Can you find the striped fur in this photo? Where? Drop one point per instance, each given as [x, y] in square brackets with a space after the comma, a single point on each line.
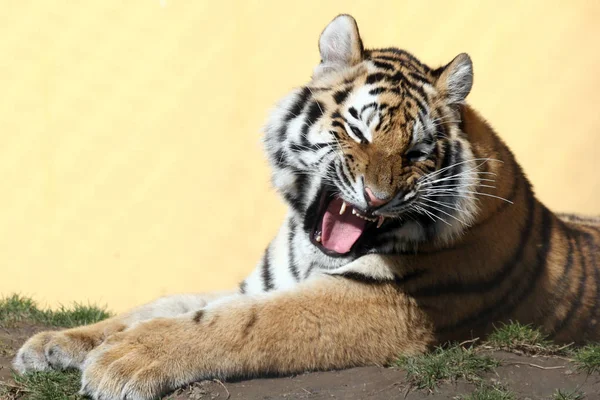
[464, 242]
[482, 244]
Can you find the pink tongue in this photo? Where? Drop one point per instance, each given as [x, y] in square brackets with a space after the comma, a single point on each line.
[340, 232]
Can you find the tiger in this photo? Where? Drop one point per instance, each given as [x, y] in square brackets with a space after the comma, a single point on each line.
[410, 224]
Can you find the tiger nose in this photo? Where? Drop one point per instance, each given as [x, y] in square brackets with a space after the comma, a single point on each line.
[373, 200]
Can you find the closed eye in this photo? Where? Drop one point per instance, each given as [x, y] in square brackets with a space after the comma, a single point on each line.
[356, 133]
[416, 155]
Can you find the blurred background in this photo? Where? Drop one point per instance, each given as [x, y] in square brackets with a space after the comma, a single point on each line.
[130, 131]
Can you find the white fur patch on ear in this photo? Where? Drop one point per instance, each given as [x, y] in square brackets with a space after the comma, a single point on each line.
[456, 80]
[340, 45]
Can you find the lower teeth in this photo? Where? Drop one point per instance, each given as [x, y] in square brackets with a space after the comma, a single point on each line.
[318, 236]
[367, 218]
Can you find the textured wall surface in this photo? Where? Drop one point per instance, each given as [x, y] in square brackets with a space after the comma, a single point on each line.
[130, 148]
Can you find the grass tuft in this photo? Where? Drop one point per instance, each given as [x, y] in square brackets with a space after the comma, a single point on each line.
[50, 385]
[446, 364]
[587, 358]
[490, 392]
[522, 339]
[18, 308]
[574, 394]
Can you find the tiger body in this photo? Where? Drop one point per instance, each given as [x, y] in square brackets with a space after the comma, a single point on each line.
[410, 224]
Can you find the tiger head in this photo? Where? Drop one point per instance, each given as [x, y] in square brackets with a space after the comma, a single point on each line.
[370, 154]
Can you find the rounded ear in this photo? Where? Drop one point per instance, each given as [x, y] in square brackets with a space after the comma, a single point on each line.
[340, 45]
[456, 79]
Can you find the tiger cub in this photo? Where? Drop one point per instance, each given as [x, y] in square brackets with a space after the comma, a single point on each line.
[410, 224]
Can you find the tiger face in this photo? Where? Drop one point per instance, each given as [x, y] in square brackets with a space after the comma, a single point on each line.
[369, 154]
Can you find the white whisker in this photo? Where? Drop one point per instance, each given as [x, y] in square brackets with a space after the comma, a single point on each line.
[452, 188]
[430, 214]
[443, 204]
[439, 171]
[460, 176]
[457, 178]
[476, 193]
[427, 213]
[443, 212]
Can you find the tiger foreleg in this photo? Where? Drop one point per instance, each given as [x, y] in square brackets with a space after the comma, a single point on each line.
[325, 323]
[69, 348]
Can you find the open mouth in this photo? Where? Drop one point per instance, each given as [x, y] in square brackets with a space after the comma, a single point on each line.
[340, 225]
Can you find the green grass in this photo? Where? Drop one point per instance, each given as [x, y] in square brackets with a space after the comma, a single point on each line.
[455, 362]
[574, 394]
[17, 308]
[519, 338]
[490, 392]
[587, 358]
[5, 349]
[446, 364]
[52, 385]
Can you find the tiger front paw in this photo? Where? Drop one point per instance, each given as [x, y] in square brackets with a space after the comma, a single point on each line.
[55, 350]
[139, 364]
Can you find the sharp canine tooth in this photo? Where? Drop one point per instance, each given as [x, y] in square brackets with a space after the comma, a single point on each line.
[318, 238]
[354, 211]
[380, 222]
[343, 208]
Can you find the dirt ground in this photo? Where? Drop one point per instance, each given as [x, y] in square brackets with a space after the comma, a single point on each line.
[527, 377]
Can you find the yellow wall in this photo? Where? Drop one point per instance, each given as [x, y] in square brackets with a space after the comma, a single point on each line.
[130, 159]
